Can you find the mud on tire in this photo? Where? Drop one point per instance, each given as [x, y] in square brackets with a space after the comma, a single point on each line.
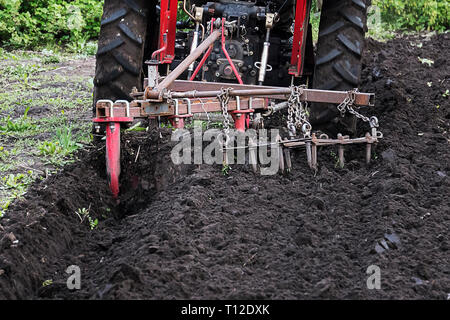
[340, 49]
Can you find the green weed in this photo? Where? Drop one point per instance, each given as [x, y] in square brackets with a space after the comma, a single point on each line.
[226, 169]
[84, 214]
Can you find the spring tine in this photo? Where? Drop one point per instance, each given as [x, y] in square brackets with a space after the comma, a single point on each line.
[280, 154]
[368, 149]
[281, 158]
[308, 153]
[314, 152]
[341, 152]
[287, 157]
[252, 154]
[314, 156]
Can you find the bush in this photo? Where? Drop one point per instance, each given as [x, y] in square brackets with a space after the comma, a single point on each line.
[34, 23]
[37, 23]
[415, 14]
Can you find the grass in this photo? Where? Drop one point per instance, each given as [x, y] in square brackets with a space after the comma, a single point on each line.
[44, 117]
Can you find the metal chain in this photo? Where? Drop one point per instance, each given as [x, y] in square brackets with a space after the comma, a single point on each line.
[224, 98]
[297, 109]
[291, 111]
[348, 105]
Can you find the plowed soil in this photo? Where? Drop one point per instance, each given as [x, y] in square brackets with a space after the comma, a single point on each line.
[189, 232]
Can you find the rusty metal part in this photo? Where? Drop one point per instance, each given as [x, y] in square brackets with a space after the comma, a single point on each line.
[184, 85]
[310, 95]
[313, 143]
[142, 109]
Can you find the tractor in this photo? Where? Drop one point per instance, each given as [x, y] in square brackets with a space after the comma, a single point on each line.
[174, 60]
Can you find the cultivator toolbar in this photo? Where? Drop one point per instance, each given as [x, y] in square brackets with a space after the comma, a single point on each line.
[179, 100]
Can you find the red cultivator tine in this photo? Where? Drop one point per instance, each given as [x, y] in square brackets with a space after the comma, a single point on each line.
[113, 156]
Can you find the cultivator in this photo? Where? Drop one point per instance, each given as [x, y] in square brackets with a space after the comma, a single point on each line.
[169, 98]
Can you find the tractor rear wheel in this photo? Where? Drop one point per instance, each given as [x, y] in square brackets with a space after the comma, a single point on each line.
[121, 49]
[340, 47]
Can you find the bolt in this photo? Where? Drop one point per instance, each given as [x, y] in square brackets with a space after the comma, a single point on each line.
[228, 70]
[217, 74]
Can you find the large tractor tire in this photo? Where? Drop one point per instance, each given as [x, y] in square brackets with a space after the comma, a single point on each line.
[121, 49]
[340, 48]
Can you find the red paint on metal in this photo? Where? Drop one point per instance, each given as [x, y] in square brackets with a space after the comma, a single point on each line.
[167, 31]
[177, 122]
[113, 119]
[241, 119]
[236, 73]
[300, 32]
[113, 156]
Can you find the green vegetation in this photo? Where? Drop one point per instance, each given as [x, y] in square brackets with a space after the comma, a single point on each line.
[73, 23]
[13, 186]
[84, 215]
[33, 23]
[225, 168]
[47, 282]
[418, 15]
[41, 106]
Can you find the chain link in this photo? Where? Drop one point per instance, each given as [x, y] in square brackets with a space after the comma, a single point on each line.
[348, 105]
[297, 109]
[224, 98]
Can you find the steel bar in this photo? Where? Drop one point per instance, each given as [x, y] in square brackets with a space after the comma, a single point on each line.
[310, 95]
[362, 99]
[186, 62]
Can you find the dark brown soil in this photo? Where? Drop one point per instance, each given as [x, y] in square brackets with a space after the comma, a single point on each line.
[192, 232]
